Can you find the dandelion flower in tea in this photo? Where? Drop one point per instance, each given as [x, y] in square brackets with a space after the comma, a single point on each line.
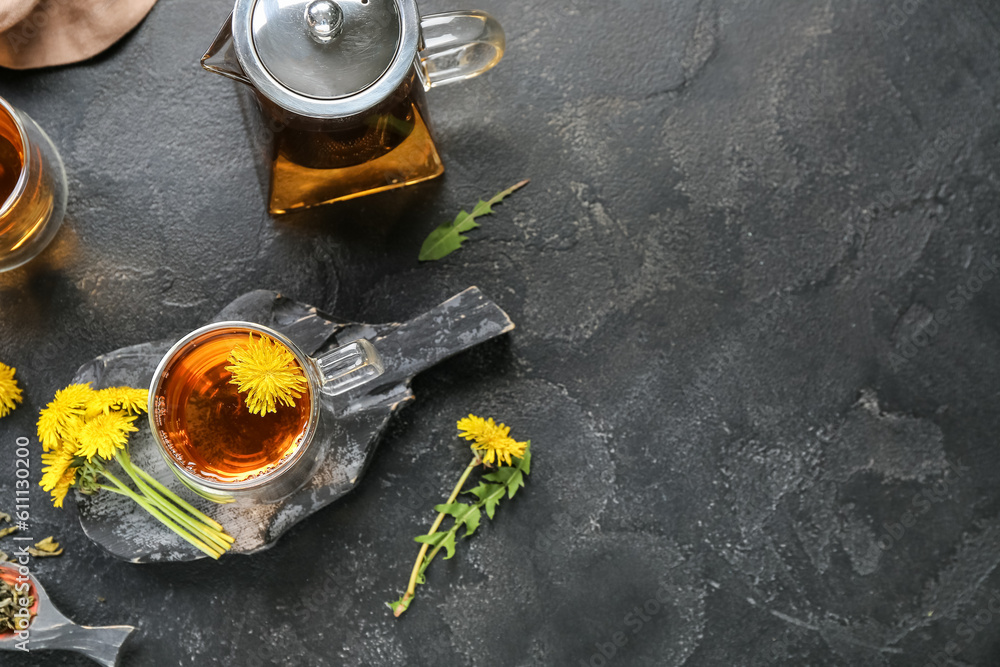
[267, 372]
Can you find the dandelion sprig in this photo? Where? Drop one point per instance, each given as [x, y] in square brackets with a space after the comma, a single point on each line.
[82, 429]
[490, 442]
[10, 393]
[267, 372]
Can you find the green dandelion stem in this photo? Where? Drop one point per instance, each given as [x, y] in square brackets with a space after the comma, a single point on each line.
[213, 552]
[173, 497]
[420, 566]
[200, 530]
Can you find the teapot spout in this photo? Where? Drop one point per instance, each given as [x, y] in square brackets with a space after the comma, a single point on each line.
[221, 56]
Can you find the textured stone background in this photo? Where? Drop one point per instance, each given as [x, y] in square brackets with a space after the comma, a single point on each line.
[751, 338]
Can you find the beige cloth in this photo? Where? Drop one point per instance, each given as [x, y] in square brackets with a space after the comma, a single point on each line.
[42, 33]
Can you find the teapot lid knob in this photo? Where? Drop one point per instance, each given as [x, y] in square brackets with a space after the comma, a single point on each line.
[325, 19]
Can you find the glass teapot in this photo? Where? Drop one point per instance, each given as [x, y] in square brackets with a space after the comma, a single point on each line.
[339, 86]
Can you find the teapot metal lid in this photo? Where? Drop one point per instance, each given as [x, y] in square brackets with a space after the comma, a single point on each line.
[326, 58]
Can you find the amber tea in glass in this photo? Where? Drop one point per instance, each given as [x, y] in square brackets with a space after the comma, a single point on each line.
[11, 159]
[211, 440]
[204, 420]
[32, 188]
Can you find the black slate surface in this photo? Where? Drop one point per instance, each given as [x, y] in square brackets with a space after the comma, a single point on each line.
[754, 354]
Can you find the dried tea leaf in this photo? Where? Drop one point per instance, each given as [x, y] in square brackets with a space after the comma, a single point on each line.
[7, 531]
[12, 606]
[4, 558]
[4, 517]
[48, 544]
[46, 548]
[38, 553]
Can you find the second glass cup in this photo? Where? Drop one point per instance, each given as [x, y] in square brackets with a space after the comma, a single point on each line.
[210, 439]
[32, 188]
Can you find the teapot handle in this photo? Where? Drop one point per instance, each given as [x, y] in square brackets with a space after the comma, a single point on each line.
[459, 46]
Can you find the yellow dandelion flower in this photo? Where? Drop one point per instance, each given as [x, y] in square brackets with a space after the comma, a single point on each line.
[57, 475]
[105, 434]
[56, 464]
[10, 393]
[63, 487]
[490, 438]
[63, 417]
[268, 373]
[117, 398]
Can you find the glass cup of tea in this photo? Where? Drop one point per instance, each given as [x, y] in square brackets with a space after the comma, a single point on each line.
[212, 441]
[32, 188]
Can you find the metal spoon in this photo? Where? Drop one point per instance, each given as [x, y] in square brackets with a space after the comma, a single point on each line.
[51, 630]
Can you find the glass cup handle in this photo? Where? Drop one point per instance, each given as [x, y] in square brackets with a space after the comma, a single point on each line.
[349, 367]
[459, 46]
